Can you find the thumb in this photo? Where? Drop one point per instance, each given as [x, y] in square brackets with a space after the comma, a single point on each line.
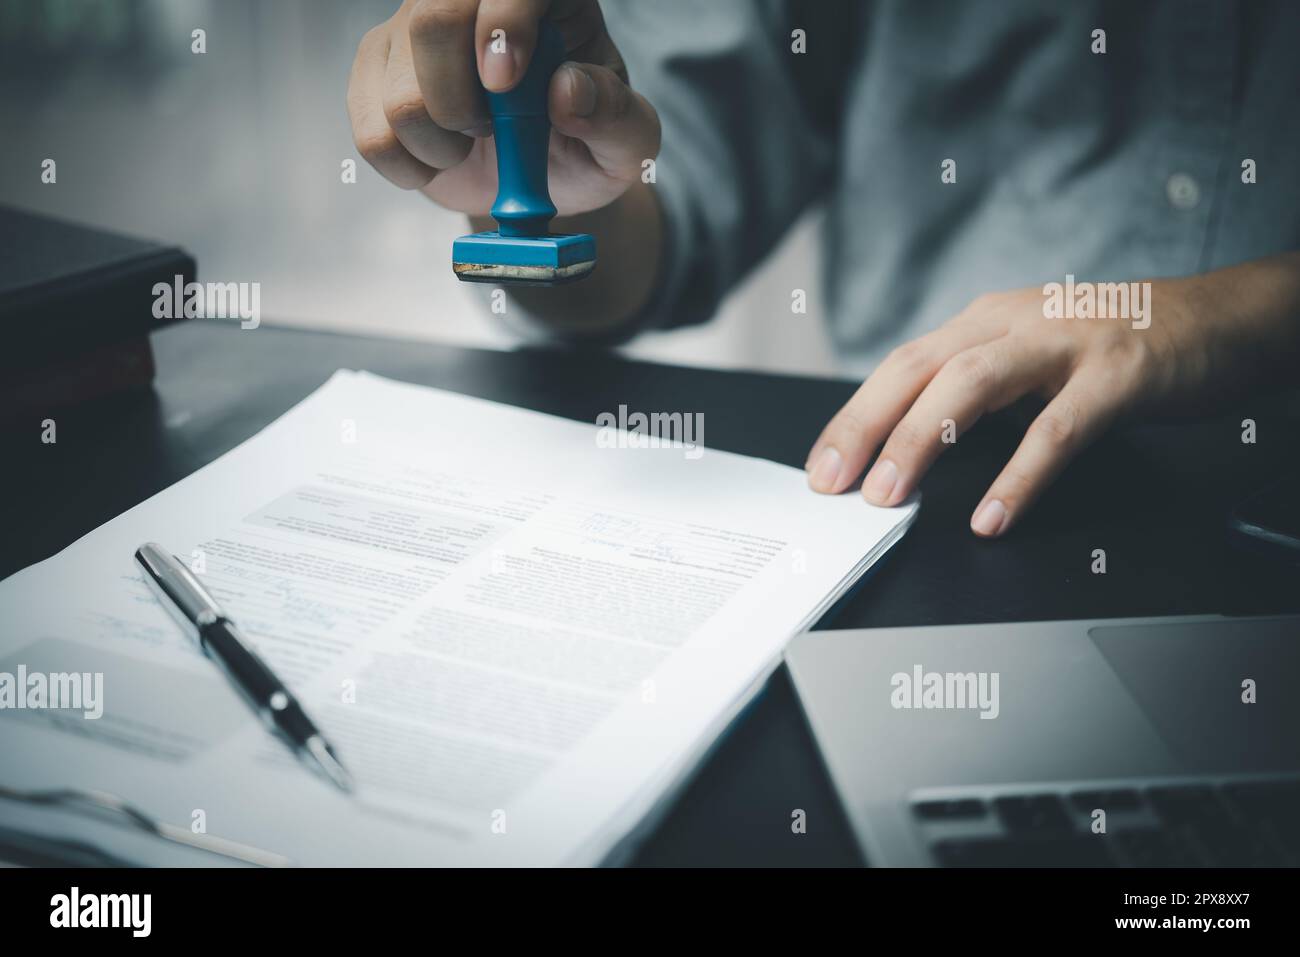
[618, 125]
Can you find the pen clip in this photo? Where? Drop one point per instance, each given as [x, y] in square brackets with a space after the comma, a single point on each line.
[178, 590]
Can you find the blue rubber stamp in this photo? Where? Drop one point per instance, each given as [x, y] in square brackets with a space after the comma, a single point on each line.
[522, 249]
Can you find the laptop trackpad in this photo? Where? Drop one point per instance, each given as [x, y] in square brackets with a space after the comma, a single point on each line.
[1192, 682]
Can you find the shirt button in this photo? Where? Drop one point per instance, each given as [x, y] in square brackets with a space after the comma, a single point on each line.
[1182, 191]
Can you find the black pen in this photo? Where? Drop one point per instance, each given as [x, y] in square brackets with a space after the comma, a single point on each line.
[191, 605]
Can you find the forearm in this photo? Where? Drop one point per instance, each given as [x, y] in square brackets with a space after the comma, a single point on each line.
[629, 235]
[1244, 331]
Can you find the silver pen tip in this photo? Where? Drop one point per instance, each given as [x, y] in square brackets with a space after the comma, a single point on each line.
[329, 764]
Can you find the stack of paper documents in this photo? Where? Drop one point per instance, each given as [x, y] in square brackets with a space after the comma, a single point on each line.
[519, 638]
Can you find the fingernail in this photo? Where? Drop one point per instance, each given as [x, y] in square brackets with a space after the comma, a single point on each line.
[479, 130]
[988, 518]
[880, 482]
[498, 68]
[581, 89]
[825, 471]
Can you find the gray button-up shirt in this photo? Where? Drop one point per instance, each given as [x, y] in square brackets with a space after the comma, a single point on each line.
[1117, 165]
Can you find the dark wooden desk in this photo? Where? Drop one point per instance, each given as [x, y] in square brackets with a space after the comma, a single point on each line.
[1155, 499]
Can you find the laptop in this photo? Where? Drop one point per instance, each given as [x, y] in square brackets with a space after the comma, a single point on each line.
[1120, 742]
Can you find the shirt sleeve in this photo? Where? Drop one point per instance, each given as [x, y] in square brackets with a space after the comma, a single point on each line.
[746, 146]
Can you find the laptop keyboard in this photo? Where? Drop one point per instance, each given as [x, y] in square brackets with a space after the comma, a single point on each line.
[1189, 824]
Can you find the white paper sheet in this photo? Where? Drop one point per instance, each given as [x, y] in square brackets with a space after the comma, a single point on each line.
[518, 640]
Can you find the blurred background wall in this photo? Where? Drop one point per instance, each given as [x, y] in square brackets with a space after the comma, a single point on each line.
[235, 154]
